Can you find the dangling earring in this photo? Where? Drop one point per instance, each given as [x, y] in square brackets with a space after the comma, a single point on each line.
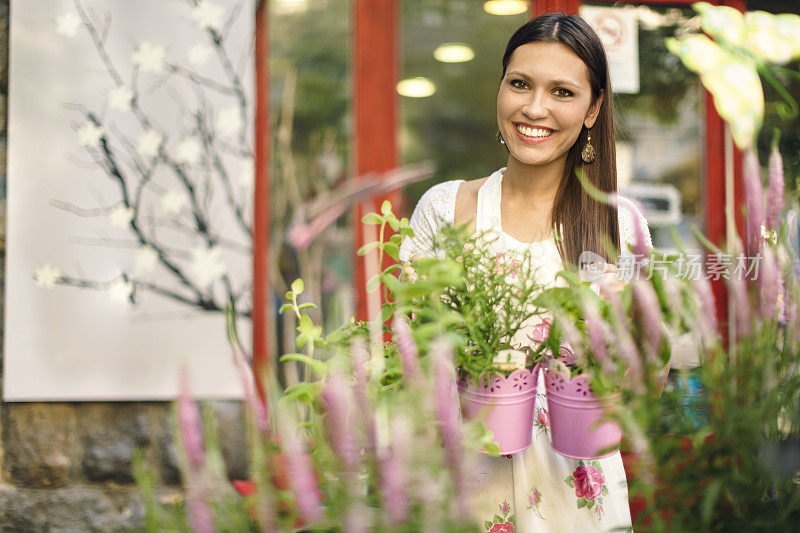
[499, 138]
[587, 154]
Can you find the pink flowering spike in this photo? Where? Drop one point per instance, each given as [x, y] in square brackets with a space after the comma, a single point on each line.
[337, 397]
[394, 466]
[300, 471]
[640, 247]
[754, 201]
[257, 408]
[769, 283]
[406, 346]
[446, 398]
[708, 309]
[649, 309]
[595, 326]
[706, 314]
[741, 306]
[201, 519]
[359, 355]
[775, 190]
[191, 424]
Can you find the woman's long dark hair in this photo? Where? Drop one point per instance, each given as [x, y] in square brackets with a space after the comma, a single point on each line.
[579, 221]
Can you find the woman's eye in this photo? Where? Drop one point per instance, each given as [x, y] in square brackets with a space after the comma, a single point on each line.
[514, 83]
[563, 92]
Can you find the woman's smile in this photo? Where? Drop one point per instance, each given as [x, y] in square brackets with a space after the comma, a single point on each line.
[533, 134]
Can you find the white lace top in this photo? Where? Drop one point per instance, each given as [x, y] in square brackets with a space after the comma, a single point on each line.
[437, 208]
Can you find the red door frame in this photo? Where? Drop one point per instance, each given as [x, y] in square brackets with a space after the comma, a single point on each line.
[716, 146]
[375, 109]
[262, 310]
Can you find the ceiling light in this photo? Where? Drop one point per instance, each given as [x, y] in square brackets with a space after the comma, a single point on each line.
[453, 53]
[416, 87]
[505, 7]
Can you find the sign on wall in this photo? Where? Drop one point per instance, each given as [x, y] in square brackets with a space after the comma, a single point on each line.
[618, 28]
[129, 197]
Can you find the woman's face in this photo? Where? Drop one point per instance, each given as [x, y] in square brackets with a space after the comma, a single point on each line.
[544, 100]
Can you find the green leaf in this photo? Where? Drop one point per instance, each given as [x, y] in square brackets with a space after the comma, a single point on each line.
[387, 312]
[301, 392]
[581, 503]
[393, 222]
[373, 283]
[372, 218]
[397, 238]
[492, 448]
[590, 504]
[319, 368]
[386, 207]
[498, 519]
[392, 250]
[364, 250]
[297, 287]
[604, 491]
[488, 525]
[285, 307]
[391, 268]
[308, 331]
[307, 305]
[712, 494]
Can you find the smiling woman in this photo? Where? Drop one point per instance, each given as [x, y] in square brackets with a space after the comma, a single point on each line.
[554, 107]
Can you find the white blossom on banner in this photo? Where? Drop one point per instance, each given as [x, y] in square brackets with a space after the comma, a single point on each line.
[120, 290]
[207, 265]
[145, 259]
[208, 15]
[150, 57]
[148, 143]
[120, 98]
[121, 216]
[229, 120]
[68, 24]
[173, 201]
[199, 54]
[189, 151]
[90, 134]
[46, 276]
[247, 175]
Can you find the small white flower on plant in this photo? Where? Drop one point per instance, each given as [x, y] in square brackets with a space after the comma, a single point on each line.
[199, 54]
[149, 57]
[120, 290]
[121, 216]
[173, 201]
[89, 134]
[207, 265]
[120, 98]
[247, 176]
[149, 142]
[229, 120]
[189, 151]
[46, 276]
[208, 15]
[68, 24]
[146, 259]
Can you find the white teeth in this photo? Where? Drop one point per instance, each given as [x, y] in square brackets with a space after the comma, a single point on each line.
[534, 132]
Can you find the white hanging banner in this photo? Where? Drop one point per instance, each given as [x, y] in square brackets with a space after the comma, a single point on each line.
[618, 29]
[129, 143]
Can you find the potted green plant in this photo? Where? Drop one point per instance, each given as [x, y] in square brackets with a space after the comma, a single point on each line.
[488, 301]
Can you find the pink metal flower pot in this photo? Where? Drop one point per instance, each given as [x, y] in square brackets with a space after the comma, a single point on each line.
[575, 418]
[508, 405]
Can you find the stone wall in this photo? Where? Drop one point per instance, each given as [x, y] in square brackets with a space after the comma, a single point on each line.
[67, 466]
